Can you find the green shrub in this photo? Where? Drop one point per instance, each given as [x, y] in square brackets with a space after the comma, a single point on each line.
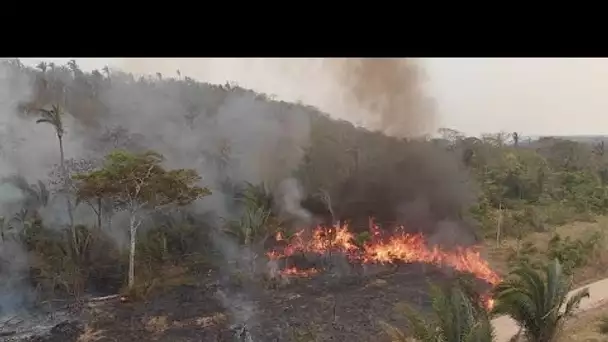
[573, 253]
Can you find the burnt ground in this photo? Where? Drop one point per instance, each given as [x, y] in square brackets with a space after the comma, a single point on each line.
[324, 308]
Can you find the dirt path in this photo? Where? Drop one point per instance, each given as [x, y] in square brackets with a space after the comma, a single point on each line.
[505, 327]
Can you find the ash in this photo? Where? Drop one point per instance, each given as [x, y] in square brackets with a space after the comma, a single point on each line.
[40, 326]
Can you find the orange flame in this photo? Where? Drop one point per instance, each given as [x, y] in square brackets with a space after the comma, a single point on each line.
[294, 271]
[399, 247]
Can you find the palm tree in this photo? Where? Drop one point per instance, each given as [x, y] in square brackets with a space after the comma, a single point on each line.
[257, 222]
[455, 318]
[538, 300]
[53, 117]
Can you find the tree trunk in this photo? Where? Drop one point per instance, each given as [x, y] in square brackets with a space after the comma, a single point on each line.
[65, 188]
[99, 213]
[133, 224]
[498, 225]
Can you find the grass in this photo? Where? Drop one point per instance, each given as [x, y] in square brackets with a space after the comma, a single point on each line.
[587, 326]
[596, 268]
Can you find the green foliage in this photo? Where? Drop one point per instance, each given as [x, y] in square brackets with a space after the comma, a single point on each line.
[527, 254]
[257, 222]
[171, 242]
[455, 318]
[362, 238]
[63, 267]
[538, 300]
[530, 187]
[140, 180]
[252, 226]
[573, 253]
[523, 186]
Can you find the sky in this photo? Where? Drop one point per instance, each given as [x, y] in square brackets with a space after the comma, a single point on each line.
[533, 96]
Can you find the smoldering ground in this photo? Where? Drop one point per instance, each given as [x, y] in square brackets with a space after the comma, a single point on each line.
[231, 135]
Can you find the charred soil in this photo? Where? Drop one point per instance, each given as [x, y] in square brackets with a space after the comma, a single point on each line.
[326, 307]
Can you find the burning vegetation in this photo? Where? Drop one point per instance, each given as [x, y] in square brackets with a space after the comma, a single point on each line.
[191, 195]
[381, 248]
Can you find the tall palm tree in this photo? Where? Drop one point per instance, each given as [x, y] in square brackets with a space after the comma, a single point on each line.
[455, 318]
[538, 300]
[53, 117]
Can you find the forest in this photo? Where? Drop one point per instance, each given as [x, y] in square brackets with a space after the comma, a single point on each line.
[144, 187]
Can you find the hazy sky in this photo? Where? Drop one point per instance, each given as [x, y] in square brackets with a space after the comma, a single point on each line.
[531, 96]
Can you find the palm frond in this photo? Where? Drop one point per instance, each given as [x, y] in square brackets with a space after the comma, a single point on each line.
[535, 299]
[53, 117]
[482, 331]
[456, 318]
[419, 326]
[575, 301]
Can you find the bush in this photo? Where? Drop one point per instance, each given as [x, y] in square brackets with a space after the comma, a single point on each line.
[64, 266]
[573, 253]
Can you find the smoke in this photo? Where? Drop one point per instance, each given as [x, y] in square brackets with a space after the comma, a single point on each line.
[387, 91]
[9, 194]
[15, 138]
[289, 197]
[15, 291]
[381, 94]
[229, 137]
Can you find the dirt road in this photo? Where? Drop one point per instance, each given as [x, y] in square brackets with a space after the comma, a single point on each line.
[505, 327]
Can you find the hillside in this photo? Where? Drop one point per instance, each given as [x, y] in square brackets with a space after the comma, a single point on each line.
[222, 213]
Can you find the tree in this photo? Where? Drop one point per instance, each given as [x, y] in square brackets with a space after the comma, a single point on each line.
[58, 177]
[138, 183]
[74, 67]
[538, 300]
[515, 136]
[53, 117]
[42, 66]
[455, 318]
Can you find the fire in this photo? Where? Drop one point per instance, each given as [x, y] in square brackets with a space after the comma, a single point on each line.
[490, 303]
[399, 247]
[294, 271]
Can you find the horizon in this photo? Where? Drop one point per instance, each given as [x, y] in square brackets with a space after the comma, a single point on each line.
[532, 96]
